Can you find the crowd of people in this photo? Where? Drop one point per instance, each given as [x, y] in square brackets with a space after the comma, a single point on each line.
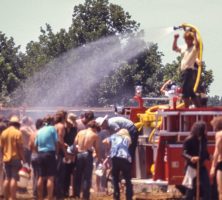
[61, 150]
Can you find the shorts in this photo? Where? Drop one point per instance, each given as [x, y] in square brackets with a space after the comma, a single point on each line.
[188, 77]
[12, 168]
[219, 166]
[46, 164]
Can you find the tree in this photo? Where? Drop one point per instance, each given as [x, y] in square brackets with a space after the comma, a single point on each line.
[92, 21]
[96, 19]
[98, 42]
[214, 101]
[50, 46]
[143, 68]
[11, 70]
[172, 71]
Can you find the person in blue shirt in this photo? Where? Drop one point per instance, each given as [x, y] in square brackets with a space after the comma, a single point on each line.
[46, 142]
[121, 161]
[114, 124]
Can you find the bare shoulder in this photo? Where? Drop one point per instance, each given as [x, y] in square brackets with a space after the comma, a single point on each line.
[96, 136]
[59, 126]
[81, 133]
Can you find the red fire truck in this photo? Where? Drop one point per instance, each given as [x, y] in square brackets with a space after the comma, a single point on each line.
[159, 152]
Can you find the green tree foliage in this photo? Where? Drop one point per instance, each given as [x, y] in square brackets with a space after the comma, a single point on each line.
[49, 46]
[98, 18]
[143, 69]
[172, 71]
[91, 21]
[11, 70]
[214, 101]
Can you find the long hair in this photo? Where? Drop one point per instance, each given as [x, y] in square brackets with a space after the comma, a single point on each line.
[92, 124]
[199, 129]
[124, 133]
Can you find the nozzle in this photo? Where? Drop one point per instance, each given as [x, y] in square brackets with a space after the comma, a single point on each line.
[177, 27]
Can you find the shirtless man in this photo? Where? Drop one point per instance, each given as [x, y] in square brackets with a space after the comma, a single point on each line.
[60, 118]
[86, 141]
[216, 167]
[82, 122]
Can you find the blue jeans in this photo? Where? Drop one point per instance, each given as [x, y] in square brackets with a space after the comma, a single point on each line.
[60, 176]
[134, 134]
[68, 168]
[124, 166]
[84, 168]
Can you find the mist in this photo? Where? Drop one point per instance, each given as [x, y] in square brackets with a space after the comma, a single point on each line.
[67, 78]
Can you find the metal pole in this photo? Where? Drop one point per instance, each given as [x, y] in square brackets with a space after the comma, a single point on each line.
[198, 182]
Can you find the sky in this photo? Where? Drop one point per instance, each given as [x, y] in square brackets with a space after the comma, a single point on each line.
[22, 19]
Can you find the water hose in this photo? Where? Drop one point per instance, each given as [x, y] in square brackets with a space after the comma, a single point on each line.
[200, 54]
[147, 118]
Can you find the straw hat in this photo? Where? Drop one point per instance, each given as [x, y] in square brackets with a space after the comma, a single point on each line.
[71, 118]
[14, 119]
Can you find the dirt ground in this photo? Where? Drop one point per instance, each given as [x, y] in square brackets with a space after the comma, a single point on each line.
[142, 196]
[171, 194]
[142, 191]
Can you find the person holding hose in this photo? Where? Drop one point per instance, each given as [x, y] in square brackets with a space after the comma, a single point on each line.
[188, 62]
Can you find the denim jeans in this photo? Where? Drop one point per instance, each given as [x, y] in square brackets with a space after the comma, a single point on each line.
[68, 168]
[60, 176]
[84, 167]
[134, 134]
[124, 166]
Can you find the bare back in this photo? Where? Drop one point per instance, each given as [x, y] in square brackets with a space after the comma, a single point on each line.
[87, 140]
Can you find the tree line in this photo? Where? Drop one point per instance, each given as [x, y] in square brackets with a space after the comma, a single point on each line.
[91, 21]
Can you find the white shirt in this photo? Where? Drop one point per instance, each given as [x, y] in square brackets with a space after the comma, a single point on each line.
[189, 56]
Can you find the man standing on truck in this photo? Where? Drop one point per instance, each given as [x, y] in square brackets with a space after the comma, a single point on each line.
[188, 61]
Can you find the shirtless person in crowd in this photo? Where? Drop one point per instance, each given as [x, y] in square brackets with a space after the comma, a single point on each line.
[216, 167]
[86, 141]
[83, 120]
[60, 118]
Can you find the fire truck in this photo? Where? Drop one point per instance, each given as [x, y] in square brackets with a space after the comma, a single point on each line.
[163, 129]
[160, 144]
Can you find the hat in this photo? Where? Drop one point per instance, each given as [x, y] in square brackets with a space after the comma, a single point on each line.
[173, 87]
[14, 119]
[71, 118]
[100, 120]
